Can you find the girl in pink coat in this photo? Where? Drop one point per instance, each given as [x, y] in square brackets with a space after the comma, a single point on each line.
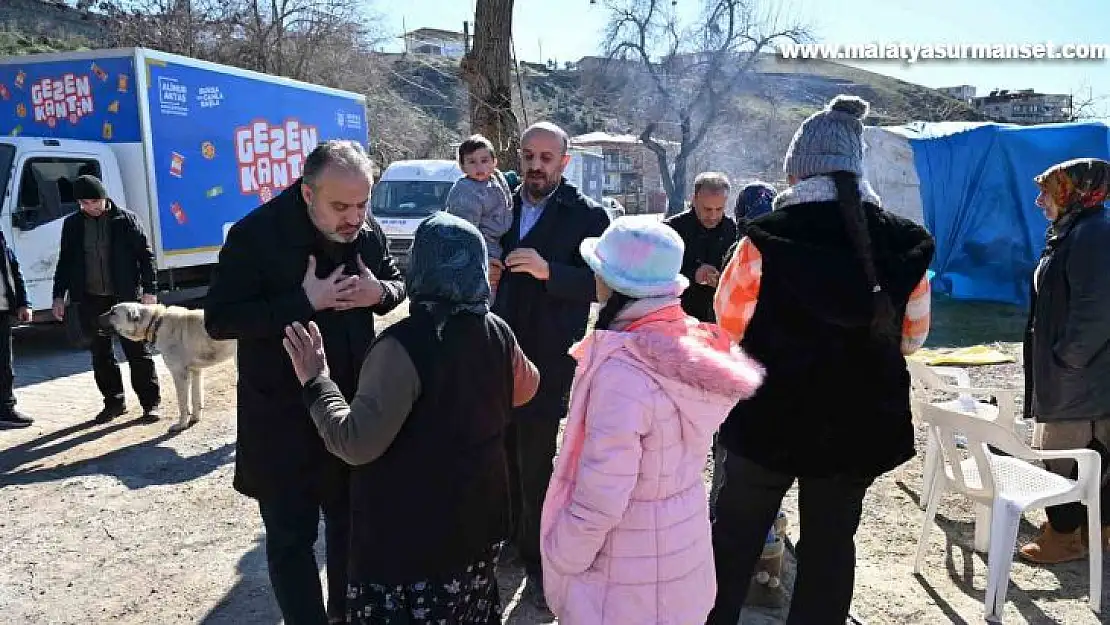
[625, 524]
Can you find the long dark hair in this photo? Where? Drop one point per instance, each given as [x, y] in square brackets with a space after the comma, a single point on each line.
[608, 313]
[883, 325]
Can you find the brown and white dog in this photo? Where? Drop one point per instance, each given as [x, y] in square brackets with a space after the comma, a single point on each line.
[179, 335]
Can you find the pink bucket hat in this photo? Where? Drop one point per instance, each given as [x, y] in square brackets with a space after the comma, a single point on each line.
[638, 258]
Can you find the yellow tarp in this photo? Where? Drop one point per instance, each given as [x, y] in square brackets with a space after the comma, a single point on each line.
[965, 356]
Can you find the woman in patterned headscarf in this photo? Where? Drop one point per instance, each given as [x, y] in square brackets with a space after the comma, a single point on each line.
[1067, 360]
[424, 437]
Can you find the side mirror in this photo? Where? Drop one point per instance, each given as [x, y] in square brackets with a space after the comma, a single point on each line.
[25, 218]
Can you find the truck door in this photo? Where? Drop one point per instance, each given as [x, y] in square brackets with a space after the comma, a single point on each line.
[41, 198]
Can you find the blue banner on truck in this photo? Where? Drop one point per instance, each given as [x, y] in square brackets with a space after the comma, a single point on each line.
[223, 144]
[92, 99]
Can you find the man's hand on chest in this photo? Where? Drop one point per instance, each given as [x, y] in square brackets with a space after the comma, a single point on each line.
[339, 291]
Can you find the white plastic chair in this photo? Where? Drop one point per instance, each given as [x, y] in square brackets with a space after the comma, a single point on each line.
[926, 378]
[1008, 485]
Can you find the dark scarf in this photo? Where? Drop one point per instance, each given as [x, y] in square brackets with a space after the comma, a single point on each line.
[447, 272]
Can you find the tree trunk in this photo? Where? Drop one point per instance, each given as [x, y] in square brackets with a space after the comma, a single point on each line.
[676, 199]
[487, 70]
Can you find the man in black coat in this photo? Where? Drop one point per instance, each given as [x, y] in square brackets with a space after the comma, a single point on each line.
[545, 290]
[14, 306]
[707, 232]
[312, 253]
[105, 259]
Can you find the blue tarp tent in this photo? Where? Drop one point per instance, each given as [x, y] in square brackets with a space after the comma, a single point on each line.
[975, 193]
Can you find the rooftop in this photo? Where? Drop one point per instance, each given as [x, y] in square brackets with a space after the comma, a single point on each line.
[608, 137]
[435, 32]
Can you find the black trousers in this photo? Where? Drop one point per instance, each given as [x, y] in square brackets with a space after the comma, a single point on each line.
[144, 378]
[291, 531]
[530, 445]
[7, 372]
[830, 510]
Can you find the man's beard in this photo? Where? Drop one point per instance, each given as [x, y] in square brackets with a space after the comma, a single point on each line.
[330, 235]
[545, 187]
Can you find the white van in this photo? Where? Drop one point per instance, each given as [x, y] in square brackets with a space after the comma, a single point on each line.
[407, 192]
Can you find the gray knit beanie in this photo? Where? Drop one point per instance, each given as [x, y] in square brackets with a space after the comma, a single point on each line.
[829, 140]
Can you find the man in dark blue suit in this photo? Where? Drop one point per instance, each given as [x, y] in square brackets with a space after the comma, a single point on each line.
[544, 292]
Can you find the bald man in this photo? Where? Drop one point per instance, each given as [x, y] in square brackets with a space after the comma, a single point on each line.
[545, 290]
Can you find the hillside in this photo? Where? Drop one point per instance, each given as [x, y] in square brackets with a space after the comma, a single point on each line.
[567, 97]
[422, 103]
[750, 140]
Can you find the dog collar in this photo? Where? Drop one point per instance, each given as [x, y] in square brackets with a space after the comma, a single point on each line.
[151, 333]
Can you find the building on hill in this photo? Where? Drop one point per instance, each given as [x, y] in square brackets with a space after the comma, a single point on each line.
[435, 42]
[601, 64]
[631, 170]
[1025, 106]
[963, 93]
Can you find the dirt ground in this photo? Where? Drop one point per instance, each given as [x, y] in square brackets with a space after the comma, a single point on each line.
[126, 524]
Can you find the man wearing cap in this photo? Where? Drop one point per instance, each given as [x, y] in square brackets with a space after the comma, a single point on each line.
[105, 259]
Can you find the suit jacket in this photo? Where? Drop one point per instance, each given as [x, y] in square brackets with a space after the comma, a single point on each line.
[550, 316]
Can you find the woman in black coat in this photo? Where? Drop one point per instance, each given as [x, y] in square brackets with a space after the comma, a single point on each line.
[1067, 363]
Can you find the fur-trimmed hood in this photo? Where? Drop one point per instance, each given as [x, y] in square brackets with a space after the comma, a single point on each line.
[695, 364]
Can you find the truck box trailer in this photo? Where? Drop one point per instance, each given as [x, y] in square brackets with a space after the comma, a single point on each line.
[189, 146]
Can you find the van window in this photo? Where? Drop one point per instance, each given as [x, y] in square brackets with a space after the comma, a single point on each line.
[408, 198]
[46, 189]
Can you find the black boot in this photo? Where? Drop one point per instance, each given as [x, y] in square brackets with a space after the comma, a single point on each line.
[110, 411]
[13, 419]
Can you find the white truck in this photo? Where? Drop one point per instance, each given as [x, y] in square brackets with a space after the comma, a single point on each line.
[188, 146]
[409, 191]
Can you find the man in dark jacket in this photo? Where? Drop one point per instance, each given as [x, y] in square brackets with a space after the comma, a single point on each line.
[13, 306]
[312, 253]
[1067, 363]
[544, 293]
[105, 259]
[707, 232]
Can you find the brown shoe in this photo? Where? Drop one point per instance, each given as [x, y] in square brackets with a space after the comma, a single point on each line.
[1053, 547]
[1105, 537]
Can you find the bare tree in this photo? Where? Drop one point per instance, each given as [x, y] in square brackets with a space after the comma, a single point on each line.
[694, 70]
[284, 36]
[1085, 104]
[175, 26]
[296, 38]
[487, 71]
[303, 39]
[928, 108]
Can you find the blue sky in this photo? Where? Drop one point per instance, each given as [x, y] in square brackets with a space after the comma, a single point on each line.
[569, 29]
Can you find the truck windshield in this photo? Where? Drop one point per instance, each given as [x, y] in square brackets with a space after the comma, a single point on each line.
[408, 198]
[7, 155]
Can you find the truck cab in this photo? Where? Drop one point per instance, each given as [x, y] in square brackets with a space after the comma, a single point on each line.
[36, 178]
[407, 192]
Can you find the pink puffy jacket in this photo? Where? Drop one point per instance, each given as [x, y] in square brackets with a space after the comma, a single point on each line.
[625, 525]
